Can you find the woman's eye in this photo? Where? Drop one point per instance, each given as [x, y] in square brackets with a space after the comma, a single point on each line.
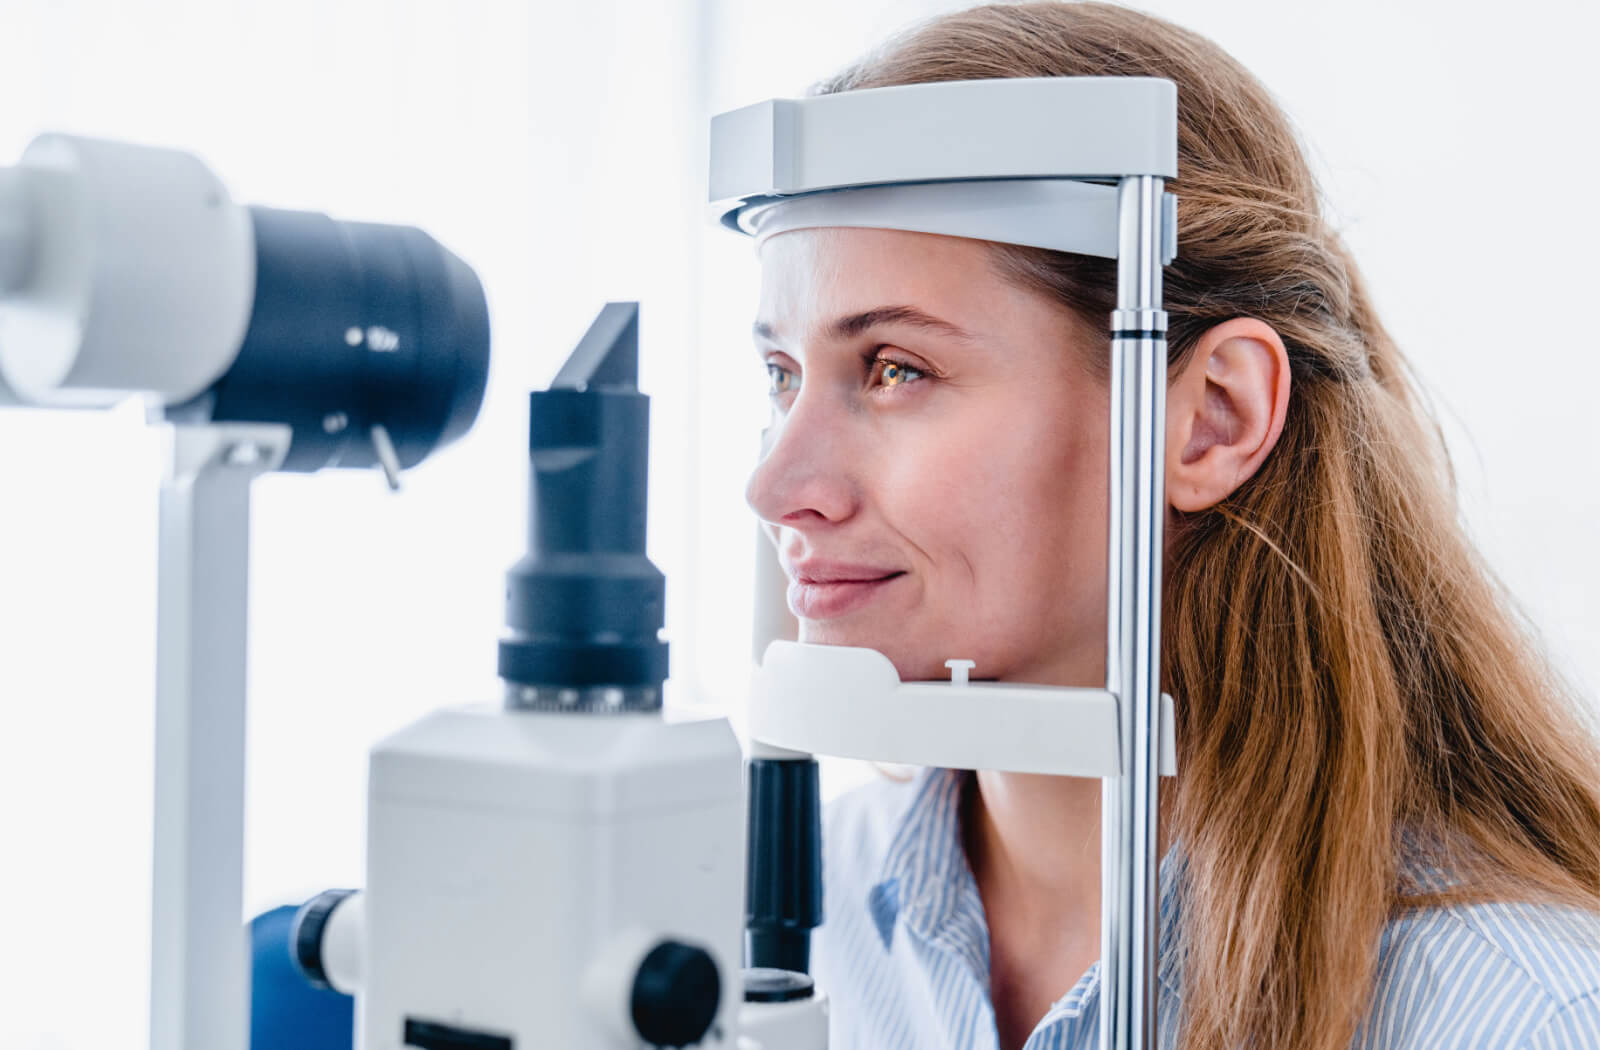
[887, 372]
[782, 380]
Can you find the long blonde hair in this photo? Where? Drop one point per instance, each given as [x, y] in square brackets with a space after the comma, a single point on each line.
[1335, 643]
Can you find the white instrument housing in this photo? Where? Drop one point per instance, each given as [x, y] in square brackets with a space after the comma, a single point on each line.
[518, 863]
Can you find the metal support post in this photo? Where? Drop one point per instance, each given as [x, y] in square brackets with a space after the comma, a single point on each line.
[1129, 859]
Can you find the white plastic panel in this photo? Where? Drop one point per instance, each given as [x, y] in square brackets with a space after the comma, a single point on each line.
[1040, 127]
[1059, 214]
[849, 702]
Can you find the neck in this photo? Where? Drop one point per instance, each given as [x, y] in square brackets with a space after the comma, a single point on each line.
[1034, 841]
[1036, 838]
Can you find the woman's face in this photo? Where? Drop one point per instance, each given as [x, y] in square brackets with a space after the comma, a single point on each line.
[934, 475]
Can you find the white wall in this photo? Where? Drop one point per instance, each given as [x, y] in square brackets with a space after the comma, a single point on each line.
[560, 149]
[1454, 143]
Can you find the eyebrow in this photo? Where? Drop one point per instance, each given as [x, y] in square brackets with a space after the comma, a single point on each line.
[854, 324]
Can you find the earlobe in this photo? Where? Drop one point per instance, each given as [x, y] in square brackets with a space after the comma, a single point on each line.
[1225, 411]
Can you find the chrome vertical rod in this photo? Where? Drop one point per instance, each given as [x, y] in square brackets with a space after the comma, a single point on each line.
[1129, 919]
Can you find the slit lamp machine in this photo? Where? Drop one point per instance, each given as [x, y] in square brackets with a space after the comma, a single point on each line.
[567, 864]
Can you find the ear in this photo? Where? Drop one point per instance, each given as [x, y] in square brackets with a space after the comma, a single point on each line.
[1225, 410]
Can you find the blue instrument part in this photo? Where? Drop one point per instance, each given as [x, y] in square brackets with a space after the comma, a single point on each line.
[286, 1012]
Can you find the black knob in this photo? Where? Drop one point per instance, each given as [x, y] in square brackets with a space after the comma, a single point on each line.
[305, 936]
[675, 995]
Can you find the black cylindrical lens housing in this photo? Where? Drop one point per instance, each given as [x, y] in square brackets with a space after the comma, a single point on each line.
[783, 879]
[356, 325]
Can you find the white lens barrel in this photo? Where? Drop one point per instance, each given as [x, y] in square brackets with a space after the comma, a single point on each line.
[123, 269]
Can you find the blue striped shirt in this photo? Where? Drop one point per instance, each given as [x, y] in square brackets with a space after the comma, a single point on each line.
[904, 951]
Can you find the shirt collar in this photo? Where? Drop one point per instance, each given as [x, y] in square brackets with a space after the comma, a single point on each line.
[926, 881]
[925, 878]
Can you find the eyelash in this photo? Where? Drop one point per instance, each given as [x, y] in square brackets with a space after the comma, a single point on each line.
[872, 360]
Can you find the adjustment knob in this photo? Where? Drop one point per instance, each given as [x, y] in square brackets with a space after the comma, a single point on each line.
[676, 992]
[306, 936]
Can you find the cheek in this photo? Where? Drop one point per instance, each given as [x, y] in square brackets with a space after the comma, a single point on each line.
[936, 489]
[1026, 503]
[1008, 486]
[1064, 484]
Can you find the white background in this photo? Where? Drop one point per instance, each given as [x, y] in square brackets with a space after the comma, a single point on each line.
[559, 149]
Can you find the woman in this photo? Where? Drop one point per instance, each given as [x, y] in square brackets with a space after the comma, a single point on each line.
[1385, 831]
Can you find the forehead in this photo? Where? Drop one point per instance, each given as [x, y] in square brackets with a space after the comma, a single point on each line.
[813, 275]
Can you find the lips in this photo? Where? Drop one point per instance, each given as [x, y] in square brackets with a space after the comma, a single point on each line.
[824, 590]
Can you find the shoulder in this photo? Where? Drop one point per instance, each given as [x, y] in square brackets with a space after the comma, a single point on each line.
[1497, 974]
[849, 956]
[876, 982]
[857, 828]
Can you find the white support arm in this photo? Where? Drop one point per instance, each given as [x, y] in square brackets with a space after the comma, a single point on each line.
[199, 958]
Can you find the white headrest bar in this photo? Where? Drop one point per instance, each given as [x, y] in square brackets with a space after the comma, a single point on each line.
[1059, 214]
[1030, 161]
[1007, 128]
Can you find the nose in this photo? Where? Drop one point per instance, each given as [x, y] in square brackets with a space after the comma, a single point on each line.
[808, 475]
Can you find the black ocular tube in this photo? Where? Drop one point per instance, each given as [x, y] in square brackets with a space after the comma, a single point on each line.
[783, 876]
[354, 326]
[585, 607]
